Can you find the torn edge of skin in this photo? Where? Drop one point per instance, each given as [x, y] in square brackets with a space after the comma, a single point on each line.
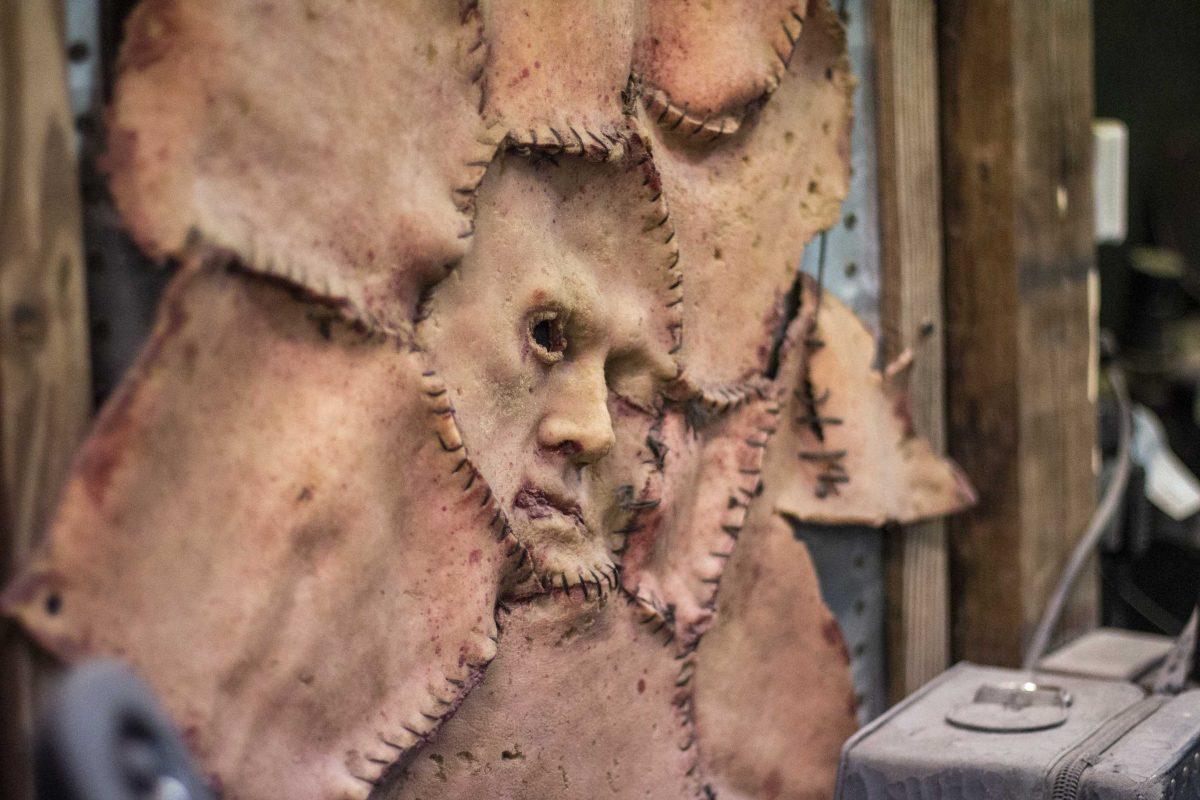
[830, 460]
[741, 489]
[519, 568]
[640, 502]
[748, 487]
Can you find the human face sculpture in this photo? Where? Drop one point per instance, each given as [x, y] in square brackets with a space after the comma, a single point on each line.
[556, 320]
[422, 387]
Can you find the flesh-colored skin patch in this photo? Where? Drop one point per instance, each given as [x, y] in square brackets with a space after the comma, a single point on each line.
[631, 474]
[430, 364]
[335, 144]
[846, 452]
[305, 616]
[709, 477]
[745, 205]
[556, 72]
[773, 699]
[567, 253]
[580, 703]
[703, 63]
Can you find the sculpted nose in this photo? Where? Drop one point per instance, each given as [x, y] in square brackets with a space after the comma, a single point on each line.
[577, 424]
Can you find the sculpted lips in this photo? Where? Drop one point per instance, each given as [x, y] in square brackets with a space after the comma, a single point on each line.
[540, 503]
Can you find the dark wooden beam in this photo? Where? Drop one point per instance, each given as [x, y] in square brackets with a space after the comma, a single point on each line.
[1016, 104]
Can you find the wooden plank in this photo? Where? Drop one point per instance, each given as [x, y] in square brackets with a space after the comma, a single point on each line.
[44, 392]
[1016, 88]
[911, 309]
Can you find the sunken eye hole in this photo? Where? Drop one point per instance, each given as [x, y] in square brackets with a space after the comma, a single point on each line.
[549, 337]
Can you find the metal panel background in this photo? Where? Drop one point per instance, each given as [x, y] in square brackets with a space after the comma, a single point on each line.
[123, 286]
[849, 560]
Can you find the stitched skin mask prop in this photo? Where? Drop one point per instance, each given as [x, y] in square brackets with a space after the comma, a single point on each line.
[464, 457]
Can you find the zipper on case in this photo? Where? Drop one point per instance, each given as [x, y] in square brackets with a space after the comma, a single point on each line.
[1068, 771]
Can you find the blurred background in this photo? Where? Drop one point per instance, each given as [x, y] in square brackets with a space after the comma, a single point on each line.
[1147, 58]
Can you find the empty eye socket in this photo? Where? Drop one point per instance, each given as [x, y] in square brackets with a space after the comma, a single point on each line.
[549, 337]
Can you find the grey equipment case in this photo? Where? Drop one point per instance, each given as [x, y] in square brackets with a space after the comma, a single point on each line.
[982, 733]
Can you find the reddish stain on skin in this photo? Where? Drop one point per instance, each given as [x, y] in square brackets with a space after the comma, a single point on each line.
[833, 637]
[150, 31]
[641, 686]
[653, 179]
[772, 786]
[100, 459]
[475, 557]
[522, 75]
[622, 408]
[641, 543]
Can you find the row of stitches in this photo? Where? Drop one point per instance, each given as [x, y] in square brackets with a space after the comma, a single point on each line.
[710, 125]
[418, 729]
[811, 400]
[749, 486]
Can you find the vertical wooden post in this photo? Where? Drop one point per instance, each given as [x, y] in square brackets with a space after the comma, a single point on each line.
[910, 211]
[44, 392]
[1016, 99]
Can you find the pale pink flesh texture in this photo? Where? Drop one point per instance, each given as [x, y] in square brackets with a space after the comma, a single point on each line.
[453, 467]
[302, 579]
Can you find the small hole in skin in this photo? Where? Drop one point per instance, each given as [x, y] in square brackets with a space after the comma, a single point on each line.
[548, 335]
[53, 603]
[541, 334]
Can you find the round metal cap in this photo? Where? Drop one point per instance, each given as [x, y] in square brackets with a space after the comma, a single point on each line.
[1013, 708]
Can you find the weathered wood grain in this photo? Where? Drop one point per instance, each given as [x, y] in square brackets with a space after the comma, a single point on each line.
[911, 311]
[44, 393]
[1016, 89]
